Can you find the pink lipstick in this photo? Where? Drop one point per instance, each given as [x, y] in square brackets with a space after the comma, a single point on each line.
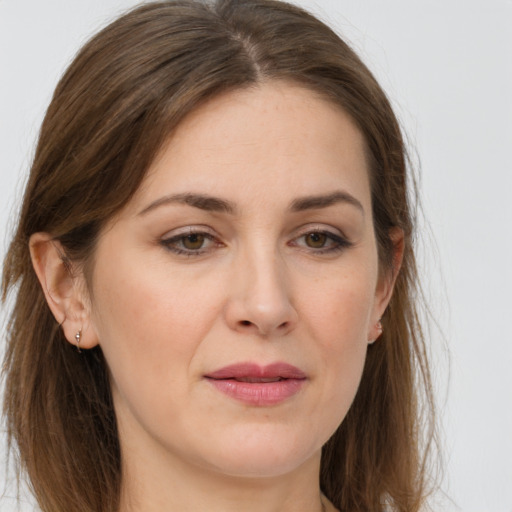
[258, 385]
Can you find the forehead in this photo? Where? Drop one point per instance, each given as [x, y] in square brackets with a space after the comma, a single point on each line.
[276, 139]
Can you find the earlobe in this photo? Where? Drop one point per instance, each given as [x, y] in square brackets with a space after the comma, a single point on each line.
[375, 333]
[64, 292]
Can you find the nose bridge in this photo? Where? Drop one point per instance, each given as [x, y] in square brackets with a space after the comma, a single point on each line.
[260, 300]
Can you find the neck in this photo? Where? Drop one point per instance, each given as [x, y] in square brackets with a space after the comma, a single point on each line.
[179, 486]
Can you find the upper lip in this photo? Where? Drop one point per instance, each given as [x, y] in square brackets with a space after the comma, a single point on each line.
[255, 371]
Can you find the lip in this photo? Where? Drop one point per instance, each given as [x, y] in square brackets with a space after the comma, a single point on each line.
[258, 385]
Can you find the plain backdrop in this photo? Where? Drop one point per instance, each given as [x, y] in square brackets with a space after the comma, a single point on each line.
[447, 67]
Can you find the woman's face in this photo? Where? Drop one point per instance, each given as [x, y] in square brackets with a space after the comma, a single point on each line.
[235, 295]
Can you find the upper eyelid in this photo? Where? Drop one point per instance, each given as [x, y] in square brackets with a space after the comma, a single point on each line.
[319, 228]
[336, 236]
[185, 230]
[333, 236]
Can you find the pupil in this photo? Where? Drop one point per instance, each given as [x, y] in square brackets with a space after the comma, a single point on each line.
[316, 239]
[194, 241]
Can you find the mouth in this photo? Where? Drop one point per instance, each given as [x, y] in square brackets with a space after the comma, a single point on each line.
[258, 385]
[254, 380]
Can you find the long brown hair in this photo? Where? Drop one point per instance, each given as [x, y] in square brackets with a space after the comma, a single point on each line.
[122, 96]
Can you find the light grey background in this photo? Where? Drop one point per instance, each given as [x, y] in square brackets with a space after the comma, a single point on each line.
[447, 66]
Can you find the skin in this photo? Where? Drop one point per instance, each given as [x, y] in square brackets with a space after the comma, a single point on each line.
[263, 283]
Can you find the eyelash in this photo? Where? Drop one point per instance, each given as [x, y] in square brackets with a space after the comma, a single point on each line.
[171, 244]
[339, 242]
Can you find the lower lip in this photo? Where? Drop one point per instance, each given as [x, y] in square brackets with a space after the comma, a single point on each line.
[259, 393]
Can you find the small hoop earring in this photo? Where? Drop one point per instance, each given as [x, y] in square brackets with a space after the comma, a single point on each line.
[78, 337]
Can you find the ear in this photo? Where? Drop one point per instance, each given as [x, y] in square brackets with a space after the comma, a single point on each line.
[386, 284]
[65, 292]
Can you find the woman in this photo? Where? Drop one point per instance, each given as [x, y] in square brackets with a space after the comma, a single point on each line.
[215, 275]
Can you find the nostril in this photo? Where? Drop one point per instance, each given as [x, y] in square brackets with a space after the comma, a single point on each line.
[246, 322]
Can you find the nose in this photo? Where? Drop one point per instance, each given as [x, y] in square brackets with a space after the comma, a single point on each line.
[259, 301]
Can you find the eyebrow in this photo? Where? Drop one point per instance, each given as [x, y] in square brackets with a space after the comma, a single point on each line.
[324, 201]
[201, 201]
[216, 204]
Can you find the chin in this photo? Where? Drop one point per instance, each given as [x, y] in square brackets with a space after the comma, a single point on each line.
[263, 454]
[262, 467]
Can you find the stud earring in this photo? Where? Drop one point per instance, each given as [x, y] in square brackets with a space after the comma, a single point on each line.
[78, 337]
[378, 326]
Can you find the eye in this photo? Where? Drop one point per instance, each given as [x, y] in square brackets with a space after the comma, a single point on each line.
[191, 243]
[321, 241]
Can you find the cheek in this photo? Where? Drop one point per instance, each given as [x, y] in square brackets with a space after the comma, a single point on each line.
[339, 310]
[149, 322]
[140, 298]
[150, 326]
[343, 334]
[338, 319]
